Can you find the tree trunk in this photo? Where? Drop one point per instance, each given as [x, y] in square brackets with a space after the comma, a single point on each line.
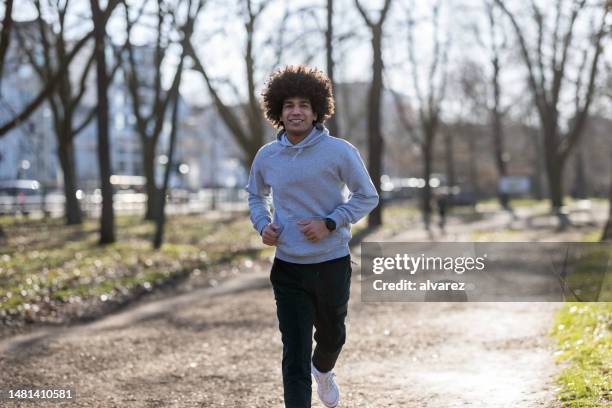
[148, 160]
[474, 167]
[161, 215]
[500, 162]
[554, 172]
[5, 35]
[375, 140]
[427, 152]
[332, 123]
[538, 170]
[581, 187]
[72, 209]
[107, 219]
[607, 231]
[498, 131]
[554, 175]
[450, 159]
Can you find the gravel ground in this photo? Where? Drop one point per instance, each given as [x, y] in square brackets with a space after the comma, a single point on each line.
[221, 347]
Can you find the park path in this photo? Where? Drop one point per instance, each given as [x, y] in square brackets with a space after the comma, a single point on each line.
[220, 347]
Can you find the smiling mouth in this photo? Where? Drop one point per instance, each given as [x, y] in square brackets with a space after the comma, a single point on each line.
[296, 121]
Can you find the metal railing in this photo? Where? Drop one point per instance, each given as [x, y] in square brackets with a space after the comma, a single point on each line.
[179, 202]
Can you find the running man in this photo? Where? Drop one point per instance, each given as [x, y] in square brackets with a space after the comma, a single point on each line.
[306, 170]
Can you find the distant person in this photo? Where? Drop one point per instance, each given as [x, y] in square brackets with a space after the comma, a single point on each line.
[306, 170]
[442, 204]
[21, 202]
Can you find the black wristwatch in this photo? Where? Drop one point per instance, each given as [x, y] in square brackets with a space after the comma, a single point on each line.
[330, 224]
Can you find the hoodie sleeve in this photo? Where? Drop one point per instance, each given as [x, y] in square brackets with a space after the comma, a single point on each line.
[363, 198]
[259, 195]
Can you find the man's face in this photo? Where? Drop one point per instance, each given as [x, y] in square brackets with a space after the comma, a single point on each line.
[297, 116]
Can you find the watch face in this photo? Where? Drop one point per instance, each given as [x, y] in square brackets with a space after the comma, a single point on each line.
[330, 224]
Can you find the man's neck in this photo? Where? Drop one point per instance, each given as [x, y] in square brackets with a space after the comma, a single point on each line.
[295, 139]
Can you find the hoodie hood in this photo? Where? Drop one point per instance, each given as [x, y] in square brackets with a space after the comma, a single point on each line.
[315, 135]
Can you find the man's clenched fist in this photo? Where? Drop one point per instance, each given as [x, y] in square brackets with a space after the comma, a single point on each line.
[315, 230]
[270, 234]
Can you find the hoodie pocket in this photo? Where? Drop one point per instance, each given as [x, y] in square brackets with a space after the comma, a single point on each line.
[292, 241]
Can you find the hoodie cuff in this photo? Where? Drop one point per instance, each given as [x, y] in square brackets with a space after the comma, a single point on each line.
[337, 219]
[261, 224]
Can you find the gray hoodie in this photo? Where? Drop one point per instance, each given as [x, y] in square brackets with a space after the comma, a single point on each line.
[307, 180]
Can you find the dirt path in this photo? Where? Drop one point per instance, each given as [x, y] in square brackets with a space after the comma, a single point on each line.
[220, 347]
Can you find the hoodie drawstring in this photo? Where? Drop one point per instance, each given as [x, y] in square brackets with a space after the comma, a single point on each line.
[299, 150]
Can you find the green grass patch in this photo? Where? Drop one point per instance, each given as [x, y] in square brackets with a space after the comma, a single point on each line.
[592, 236]
[498, 235]
[399, 217]
[44, 261]
[583, 333]
[589, 277]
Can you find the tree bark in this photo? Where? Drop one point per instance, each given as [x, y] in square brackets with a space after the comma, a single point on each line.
[474, 167]
[607, 231]
[498, 135]
[538, 170]
[427, 152]
[148, 155]
[72, 208]
[375, 140]
[581, 188]
[107, 219]
[5, 35]
[161, 211]
[450, 159]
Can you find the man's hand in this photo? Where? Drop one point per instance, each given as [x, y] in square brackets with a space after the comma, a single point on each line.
[270, 234]
[315, 230]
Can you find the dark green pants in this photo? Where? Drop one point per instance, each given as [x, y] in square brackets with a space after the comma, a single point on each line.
[310, 295]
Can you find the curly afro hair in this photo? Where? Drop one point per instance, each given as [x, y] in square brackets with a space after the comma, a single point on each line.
[297, 81]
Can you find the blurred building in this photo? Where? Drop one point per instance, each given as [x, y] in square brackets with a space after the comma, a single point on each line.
[28, 150]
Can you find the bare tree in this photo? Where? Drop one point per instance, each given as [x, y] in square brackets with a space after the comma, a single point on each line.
[107, 219]
[607, 230]
[495, 43]
[54, 80]
[606, 234]
[5, 35]
[449, 156]
[429, 100]
[549, 76]
[250, 137]
[44, 51]
[187, 31]
[375, 139]
[149, 126]
[332, 122]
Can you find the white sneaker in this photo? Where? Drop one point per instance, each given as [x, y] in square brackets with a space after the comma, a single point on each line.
[328, 390]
